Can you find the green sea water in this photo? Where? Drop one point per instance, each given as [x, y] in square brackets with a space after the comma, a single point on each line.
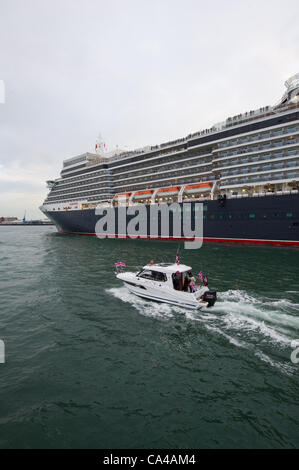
[88, 365]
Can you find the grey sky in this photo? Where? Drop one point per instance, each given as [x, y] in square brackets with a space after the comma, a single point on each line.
[140, 72]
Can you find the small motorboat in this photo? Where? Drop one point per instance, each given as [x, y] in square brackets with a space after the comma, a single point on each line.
[172, 283]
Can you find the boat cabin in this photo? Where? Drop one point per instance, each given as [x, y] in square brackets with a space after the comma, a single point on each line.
[174, 275]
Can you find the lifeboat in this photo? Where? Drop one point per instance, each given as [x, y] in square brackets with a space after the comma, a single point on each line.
[146, 194]
[124, 195]
[166, 192]
[198, 188]
[121, 199]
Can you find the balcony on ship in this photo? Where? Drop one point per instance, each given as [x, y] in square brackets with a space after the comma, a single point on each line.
[282, 146]
[264, 138]
[277, 177]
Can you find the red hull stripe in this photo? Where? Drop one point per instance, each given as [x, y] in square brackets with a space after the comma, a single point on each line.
[206, 239]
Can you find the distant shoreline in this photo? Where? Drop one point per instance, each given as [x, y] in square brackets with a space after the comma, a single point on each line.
[26, 224]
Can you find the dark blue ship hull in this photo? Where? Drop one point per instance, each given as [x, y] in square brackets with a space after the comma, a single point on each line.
[272, 219]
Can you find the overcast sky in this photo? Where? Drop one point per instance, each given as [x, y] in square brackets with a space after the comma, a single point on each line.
[140, 72]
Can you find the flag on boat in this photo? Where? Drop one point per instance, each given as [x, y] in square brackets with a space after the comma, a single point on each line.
[200, 275]
[205, 281]
[120, 263]
[177, 259]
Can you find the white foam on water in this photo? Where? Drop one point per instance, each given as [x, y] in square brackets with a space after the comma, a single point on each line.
[284, 305]
[285, 368]
[243, 311]
[231, 339]
[145, 307]
[245, 321]
[202, 315]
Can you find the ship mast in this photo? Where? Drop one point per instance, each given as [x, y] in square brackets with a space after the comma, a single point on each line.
[100, 146]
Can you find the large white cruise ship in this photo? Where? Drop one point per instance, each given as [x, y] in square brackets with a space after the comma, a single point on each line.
[244, 170]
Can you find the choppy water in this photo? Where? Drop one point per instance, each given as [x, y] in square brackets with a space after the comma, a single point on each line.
[90, 365]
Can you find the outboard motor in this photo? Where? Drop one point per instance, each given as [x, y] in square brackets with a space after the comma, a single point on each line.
[210, 296]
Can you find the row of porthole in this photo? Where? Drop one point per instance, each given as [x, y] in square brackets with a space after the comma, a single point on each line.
[249, 216]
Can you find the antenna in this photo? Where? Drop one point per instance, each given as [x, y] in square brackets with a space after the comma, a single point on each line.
[100, 146]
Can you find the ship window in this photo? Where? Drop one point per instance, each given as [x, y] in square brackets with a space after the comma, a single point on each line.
[252, 216]
[230, 216]
[289, 214]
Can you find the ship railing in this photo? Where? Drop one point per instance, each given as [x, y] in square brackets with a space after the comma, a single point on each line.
[263, 193]
[229, 122]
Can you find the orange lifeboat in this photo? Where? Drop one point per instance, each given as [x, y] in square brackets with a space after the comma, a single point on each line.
[122, 195]
[198, 187]
[168, 191]
[143, 194]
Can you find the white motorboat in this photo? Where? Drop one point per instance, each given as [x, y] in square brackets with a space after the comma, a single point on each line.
[170, 283]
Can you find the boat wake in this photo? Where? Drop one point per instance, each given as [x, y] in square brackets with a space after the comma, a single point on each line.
[147, 308]
[262, 325]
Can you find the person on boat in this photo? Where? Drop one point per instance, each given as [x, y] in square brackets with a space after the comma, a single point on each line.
[192, 284]
[177, 281]
[187, 282]
[151, 262]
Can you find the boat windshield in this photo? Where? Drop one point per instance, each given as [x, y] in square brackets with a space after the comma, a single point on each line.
[152, 275]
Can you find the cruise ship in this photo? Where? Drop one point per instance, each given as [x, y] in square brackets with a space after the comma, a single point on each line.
[244, 171]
